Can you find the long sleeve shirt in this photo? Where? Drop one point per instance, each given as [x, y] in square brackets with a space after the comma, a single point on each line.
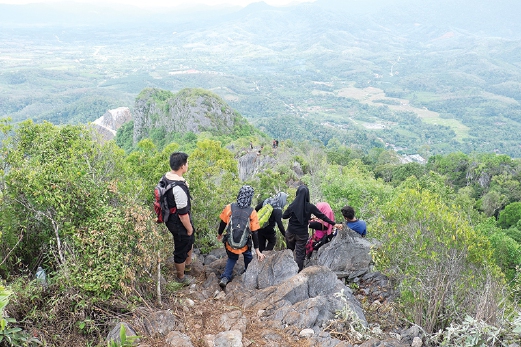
[296, 227]
[275, 219]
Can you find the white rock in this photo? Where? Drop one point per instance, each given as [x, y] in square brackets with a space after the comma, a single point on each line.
[417, 342]
[306, 333]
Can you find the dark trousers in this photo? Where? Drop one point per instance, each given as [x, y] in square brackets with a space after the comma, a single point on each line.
[232, 260]
[297, 243]
[266, 235]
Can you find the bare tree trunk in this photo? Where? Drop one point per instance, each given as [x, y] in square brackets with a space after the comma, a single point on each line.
[58, 240]
[158, 278]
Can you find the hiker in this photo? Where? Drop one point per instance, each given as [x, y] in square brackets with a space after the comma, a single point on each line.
[322, 232]
[180, 223]
[268, 234]
[299, 213]
[352, 223]
[244, 199]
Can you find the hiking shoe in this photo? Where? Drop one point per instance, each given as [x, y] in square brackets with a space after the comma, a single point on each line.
[186, 280]
[223, 282]
[188, 268]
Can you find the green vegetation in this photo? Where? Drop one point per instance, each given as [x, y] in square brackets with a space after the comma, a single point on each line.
[82, 210]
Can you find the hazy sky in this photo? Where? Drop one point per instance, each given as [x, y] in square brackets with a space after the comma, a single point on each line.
[164, 3]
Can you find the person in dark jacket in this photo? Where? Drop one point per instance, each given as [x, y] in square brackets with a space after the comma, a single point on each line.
[268, 234]
[299, 213]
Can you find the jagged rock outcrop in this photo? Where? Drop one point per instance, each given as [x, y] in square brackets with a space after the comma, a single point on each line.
[279, 301]
[190, 110]
[348, 254]
[253, 162]
[309, 299]
[108, 124]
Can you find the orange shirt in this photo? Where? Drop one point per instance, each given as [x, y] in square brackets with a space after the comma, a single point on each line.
[254, 226]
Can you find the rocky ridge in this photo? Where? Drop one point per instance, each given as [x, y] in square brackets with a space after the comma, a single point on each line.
[190, 110]
[272, 304]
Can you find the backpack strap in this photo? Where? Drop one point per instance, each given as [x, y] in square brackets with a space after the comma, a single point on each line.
[170, 186]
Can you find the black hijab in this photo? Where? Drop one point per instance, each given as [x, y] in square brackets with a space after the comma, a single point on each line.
[298, 206]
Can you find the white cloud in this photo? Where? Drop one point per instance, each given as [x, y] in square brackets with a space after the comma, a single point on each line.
[163, 3]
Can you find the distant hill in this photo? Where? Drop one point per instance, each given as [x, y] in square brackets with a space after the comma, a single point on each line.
[160, 114]
[285, 69]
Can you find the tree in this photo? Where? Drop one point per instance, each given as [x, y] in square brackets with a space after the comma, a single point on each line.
[213, 179]
[443, 266]
[454, 166]
[510, 216]
[71, 205]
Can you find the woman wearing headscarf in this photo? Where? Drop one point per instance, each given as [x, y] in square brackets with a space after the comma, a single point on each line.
[244, 199]
[320, 228]
[268, 234]
[299, 213]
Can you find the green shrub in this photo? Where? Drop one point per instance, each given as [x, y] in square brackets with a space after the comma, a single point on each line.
[117, 252]
[510, 216]
[12, 335]
[443, 266]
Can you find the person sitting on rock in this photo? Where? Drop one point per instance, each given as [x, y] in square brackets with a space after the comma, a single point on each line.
[244, 199]
[268, 234]
[352, 223]
[322, 232]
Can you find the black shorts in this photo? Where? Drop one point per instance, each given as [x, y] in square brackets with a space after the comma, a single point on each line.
[182, 245]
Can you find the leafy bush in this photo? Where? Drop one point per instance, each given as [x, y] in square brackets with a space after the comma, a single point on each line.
[510, 216]
[444, 268]
[12, 336]
[54, 187]
[507, 251]
[473, 333]
[354, 186]
[117, 252]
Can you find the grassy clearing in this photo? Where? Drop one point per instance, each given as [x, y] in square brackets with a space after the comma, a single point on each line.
[370, 95]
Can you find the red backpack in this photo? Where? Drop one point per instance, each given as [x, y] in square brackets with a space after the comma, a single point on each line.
[160, 199]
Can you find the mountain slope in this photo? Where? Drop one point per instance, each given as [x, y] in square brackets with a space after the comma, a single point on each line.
[190, 110]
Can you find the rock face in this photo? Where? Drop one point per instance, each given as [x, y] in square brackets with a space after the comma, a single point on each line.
[277, 268]
[252, 163]
[306, 300]
[190, 110]
[275, 297]
[347, 253]
[108, 124]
